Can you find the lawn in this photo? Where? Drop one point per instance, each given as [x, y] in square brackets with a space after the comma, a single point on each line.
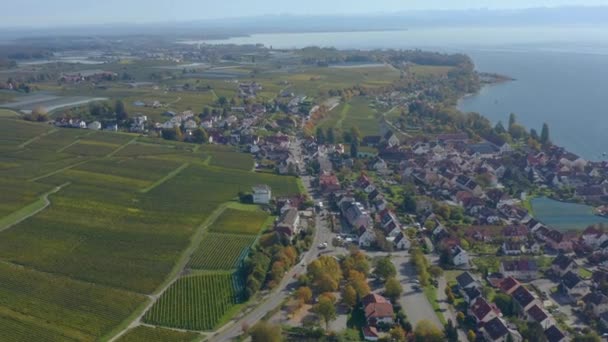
[240, 221]
[355, 113]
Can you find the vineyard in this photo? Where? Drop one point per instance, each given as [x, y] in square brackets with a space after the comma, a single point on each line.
[147, 334]
[196, 302]
[116, 230]
[221, 251]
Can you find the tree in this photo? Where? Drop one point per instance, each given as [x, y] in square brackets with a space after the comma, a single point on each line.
[265, 332]
[545, 139]
[409, 203]
[505, 303]
[320, 135]
[200, 136]
[435, 271]
[397, 334]
[331, 136]
[385, 268]
[325, 274]
[460, 317]
[326, 309]
[471, 336]
[356, 134]
[499, 128]
[349, 296]
[172, 134]
[304, 294]
[393, 289]
[356, 261]
[512, 121]
[588, 337]
[451, 333]
[121, 112]
[426, 331]
[354, 149]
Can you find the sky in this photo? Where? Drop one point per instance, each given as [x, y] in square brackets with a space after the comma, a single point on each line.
[41, 13]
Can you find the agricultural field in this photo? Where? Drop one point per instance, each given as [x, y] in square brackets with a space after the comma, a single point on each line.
[221, 251]
[197, 302]
[116, 228]
[240, 221]
[148, 334]
[354, 113]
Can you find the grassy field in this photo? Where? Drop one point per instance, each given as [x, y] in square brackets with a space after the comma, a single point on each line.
[240, 221]
[355, 113]
[148, 334]
[116, 230]
[196, 302]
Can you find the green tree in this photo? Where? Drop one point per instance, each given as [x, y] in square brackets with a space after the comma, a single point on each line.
[326, 309]
[265, 332]
[172, 134]
[450, 331]
[409, 203]
[121, 112]
[384, 268]
[505, 303]
[499, 128]
[393, 289]
[545, 139]
[200, 136]
[512, 121]
[435, 271]
[356, 134]
[426, 331]
[331, 136]
[354, 149]
[320, 135]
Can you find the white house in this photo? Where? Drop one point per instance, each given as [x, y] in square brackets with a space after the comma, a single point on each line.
[402, 242]
[460, 257]
[366, 237]
[95, 125]
[262, 194]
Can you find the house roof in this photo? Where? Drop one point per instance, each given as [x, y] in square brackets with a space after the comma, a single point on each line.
[373, 298]
[261, 188]
[496, 328]
[562, 261]
[522, 296]
[465, 279]
[537, 313]
[595, 298]
[472, 292]
[553, 334]
[521, 265]
[480, 308]
[370, 332]
[379, 310]
[570, 279]
[509, 284]
[515, 231]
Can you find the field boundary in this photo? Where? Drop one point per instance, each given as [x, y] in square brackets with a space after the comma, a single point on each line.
[38, 137]
[121, 147]
[174, 275]
[166, 178]
[58, 171]
[29, 210]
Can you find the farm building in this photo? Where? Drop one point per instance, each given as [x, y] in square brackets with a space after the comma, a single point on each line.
[262, 194]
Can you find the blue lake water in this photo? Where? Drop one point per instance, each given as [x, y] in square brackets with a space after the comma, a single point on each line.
[562, 73]
[564, 216]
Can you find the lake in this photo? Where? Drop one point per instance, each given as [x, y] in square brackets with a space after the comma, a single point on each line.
[562, 73]
[564, 216]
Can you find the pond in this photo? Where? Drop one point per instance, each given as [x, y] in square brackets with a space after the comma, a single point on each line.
[564, 216]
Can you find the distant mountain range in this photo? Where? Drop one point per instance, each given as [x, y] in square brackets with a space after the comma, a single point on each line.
[222, 28]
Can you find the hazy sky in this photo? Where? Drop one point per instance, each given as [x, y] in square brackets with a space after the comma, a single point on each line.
[70, 12]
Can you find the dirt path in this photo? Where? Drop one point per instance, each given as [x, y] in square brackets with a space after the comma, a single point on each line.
[51, 131]
[175, 273]
[29, 210]
[166, 178]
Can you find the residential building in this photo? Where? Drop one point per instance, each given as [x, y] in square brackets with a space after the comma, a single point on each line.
[523, 269]
[378, 310]
[289, 223]
[262, 194]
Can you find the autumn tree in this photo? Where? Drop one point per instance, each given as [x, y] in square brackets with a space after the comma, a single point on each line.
[265, 332]
[326, 309]
[304, 294]
[325, 274]
[426, 331]
[357, 261]
[471, 336]
[397, 334]
[349, 296]
[393, 289]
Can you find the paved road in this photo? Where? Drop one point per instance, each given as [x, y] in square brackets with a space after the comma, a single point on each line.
[289, 282]
[414, 303]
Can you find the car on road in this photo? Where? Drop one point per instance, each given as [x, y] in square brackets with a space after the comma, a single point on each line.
[323, 245]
